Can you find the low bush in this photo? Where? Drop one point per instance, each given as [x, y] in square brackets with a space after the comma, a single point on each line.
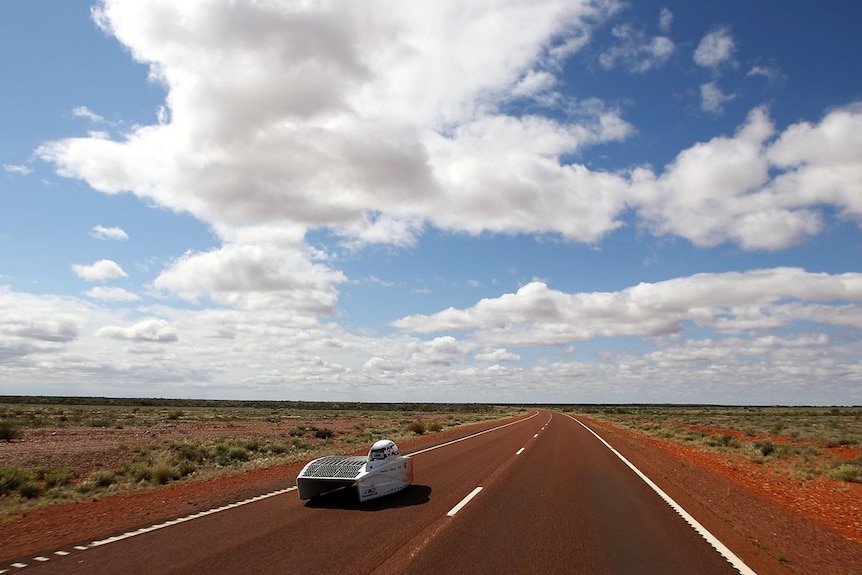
[416, 427]
[764, 446]
[102, 478]
[12, 477]
[847, 472]
[9, 431]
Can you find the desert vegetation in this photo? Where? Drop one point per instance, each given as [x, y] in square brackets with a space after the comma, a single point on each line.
[806, 443]
[61, 449]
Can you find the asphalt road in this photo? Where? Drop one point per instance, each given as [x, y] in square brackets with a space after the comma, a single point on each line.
[553, 499]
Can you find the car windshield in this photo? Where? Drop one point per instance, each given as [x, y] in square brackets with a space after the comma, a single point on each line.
[378, 454]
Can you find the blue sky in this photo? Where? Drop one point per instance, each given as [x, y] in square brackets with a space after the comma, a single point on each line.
[537, 201]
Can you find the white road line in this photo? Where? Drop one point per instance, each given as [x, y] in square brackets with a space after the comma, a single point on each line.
[464, 502]
[188, 518]
[520, 451]
[41, 559]
[731, 557]
[61, 553]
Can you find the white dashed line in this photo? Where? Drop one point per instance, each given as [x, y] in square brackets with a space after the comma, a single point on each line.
[520, 451]
[464, 502]
[154, 527]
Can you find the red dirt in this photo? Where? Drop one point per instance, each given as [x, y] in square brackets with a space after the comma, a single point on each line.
[792, 526]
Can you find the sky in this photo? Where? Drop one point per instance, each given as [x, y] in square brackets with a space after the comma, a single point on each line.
[508, 201]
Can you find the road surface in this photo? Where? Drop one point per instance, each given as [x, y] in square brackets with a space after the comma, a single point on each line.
[542, 495]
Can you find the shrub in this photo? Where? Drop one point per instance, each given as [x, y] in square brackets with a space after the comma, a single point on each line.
[847, 472]
[324, 433]
[435, 427]
[163, 473]
[13, 477]
[9, 431]
[102, 478]
[721, 441]
[235, 454]
[764, 446]
[416, 427]
[138, 471]
[30, 489]
[58, 477]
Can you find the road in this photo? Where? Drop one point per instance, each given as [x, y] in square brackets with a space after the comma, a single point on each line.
[548, 497]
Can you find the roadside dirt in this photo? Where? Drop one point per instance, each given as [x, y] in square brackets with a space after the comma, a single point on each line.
[776, 523]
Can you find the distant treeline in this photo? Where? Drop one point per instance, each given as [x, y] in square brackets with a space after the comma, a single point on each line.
[247, 403]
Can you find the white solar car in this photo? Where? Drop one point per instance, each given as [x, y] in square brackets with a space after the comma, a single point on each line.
[382, 472]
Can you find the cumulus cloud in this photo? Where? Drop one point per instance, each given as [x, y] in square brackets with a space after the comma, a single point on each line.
[730, 302]
[498, 355]
[635, 52]
[148, 330]
[113, 233]
[18, 169]
[712, 99]
[715, 48]
[100, 271]
[439, 351]
[754, 189]
[321, 115]
[44, 319]
[261, 276]
[376, 123]
[111, 294]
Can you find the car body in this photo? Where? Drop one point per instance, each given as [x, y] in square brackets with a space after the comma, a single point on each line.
[382, 472]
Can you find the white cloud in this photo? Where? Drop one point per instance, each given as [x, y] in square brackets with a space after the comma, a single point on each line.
[715, 48]
[263, 276]
[18, 169]
[635, 52]
[498, 355]
[111, 294]
[113, 233]
[148, 330]
[335, 120]
[439, 351]
[731, 302]
[665, 19]
[99, 271]
[368, 151]
[712, 99]
[771, 73]
[85, 112]
[751, 190]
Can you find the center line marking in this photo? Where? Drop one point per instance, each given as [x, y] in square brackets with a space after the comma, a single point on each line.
[464, 502]
[520, 451]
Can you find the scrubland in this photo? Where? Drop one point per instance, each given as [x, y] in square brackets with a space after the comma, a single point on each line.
[62, 449]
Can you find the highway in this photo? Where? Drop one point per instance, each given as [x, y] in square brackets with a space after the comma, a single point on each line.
[541, 495]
